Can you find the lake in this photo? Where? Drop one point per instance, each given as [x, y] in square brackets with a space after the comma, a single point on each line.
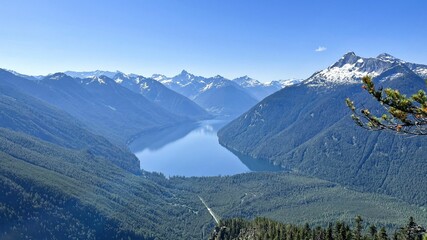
[192, 150]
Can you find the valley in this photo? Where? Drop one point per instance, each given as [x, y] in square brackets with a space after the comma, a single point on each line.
[160, 165]
[219, 120]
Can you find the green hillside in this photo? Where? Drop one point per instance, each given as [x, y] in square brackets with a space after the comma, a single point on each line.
[58, 180]
[263, 228]
[309, 130]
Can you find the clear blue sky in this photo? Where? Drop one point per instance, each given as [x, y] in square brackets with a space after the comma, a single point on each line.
[264, 39]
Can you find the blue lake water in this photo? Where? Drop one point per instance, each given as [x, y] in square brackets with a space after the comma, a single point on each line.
[192, 150]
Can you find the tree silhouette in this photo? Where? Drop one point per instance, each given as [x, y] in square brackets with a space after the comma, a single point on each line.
[402, 114]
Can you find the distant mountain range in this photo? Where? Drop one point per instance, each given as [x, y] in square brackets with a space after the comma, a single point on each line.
[187, 95]
[219, 95]
[161, 95]
[261, 90]
[307, 128]
[192, 86]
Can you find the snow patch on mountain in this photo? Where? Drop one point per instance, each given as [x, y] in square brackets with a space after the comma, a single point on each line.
[159, 77]
[112, 108]
[392, 77]
[247, 82]
[284, 83]
[347, 74]
[215, 82]
[38, 77]
[207, 87]
[98, 80]
[389, 58]
[144, 86]
[56, 76]
[421, 71]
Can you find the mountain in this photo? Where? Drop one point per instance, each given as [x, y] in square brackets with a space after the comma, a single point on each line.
[256, 88]
[161, 95]
[284, 83]
[419, 69]
[184, 83]
[27, 115]
[218, 95]
[55, 185]
[349, 70]
[247, 91]
[261, 90]
[109, 106]
[247, 82]
[99, 102]
[307, 128]
[34, 78]
[223, 97]
[91, 74]
[60, 181]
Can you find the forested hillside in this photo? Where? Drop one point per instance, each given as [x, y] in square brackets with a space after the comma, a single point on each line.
[307, 128]
[25, 114]
[100, 103]
[262, 228]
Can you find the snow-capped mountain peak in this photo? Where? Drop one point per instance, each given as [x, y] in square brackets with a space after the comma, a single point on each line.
[120, 77]
[186, 74]
[159, 77]
[284, 82]
[388, 58]
[349, 55]
[350, 68]
[219, 77]
[184, 78]
[57, 76]
[246, 81]
[419, 69]
[29, 77]
[348, 58]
